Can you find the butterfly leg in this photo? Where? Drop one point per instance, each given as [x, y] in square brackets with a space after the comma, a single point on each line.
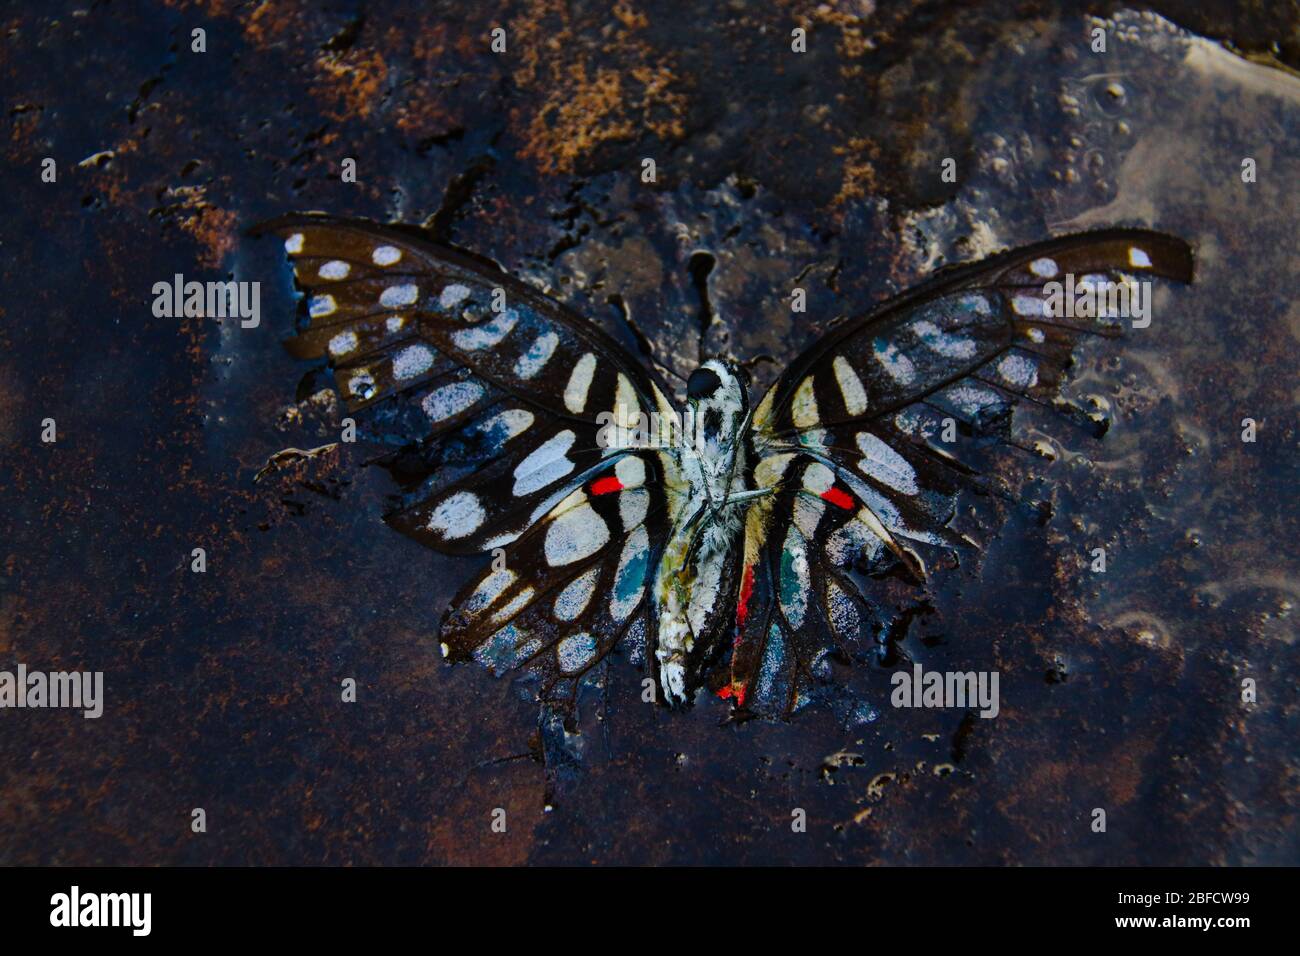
[741, 497]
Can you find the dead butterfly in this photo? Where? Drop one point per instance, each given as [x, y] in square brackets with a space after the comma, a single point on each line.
[729, 546]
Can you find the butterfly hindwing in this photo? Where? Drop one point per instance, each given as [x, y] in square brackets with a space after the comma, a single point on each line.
[798, 608]
[569, 589]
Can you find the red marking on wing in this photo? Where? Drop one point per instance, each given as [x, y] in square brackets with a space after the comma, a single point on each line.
[838, 498]
[742, 606]
[606, 486]
[734, 691]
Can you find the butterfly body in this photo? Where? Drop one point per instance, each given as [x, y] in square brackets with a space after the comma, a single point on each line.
[737, 548]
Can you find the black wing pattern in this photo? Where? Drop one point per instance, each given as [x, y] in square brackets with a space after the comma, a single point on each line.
[502, 391]
[845, 439]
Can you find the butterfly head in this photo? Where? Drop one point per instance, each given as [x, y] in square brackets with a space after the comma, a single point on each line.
[717, 399]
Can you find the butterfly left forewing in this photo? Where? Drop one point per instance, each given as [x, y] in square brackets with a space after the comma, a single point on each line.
[507, 390]
[376, 286]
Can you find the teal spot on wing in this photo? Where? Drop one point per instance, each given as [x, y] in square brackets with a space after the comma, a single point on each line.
[631, 577]
[793, 586]
[789, 580]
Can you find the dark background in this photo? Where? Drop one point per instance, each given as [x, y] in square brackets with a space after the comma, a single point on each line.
[1119, 691]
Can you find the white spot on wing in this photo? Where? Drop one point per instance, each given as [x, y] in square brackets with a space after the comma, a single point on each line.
[1018, 371]
[575, 534]
[547, 463]
[489, 589]
[453, 295]
[396, 296]
[575, 392]
[885, 465]
[505, 425]
[516, 604]
[853, 540]
[855, 396]
[807, 514]
[575, 652]
[626, 406]
[770, 469]
[971, 400]
[817, 478]
[898, 365]
[412, 361]
[293, 245]
[803, 408]
[538, 354]
[321, 305]
[630, 471]
[1138, 258]
[843, 613]
[794, 600]
[943, 343]
[1044, 268]
[343, 343]
[627, 588]
[575, 597]
[632, 507]
[385, 255]
[451, 400]
[459, 516]
[335, 269]
[488, 334]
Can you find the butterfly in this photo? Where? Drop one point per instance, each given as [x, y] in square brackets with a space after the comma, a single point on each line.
[724, 544]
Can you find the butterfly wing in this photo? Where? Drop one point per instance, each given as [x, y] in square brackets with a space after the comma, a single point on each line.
[498, 396]
[846, 442]
[503, 385]
[573, 586]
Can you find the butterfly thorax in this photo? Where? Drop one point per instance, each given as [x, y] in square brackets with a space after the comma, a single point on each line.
[711, 457]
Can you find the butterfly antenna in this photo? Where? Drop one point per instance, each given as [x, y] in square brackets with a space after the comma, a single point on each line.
[643, 343]
[749, 364]
[671, 371]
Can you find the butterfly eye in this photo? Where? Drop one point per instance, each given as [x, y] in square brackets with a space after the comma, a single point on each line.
[702, 383]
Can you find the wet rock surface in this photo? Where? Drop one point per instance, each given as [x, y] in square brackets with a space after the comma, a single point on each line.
[1119, 690]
